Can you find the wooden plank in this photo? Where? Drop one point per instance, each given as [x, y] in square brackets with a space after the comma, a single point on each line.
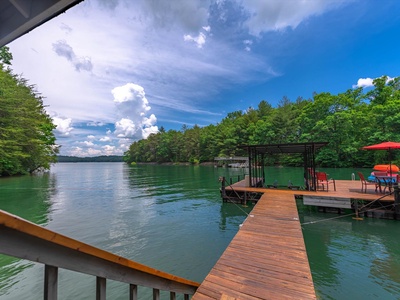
[226, 297]
[272, 262]
[266, 284]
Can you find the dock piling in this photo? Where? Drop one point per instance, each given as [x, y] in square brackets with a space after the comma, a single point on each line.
[396, 200]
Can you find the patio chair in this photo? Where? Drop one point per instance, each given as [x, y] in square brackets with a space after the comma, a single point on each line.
[383, 181]
[365, 183]
[322, 180]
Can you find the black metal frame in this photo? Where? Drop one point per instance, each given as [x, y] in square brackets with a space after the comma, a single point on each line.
[257, 153]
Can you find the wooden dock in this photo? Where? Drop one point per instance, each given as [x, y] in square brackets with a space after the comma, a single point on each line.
[267, 259]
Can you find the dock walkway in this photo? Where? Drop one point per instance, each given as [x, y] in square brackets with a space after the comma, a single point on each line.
[267, 258]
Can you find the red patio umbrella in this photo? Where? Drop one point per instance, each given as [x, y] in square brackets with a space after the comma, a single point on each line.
[388, 146]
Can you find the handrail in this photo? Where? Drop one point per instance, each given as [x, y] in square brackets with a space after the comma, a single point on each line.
[23, 239]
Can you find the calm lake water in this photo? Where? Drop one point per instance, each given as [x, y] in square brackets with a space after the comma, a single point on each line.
[172, 218]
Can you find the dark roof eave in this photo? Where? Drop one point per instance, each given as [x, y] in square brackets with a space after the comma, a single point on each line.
[19, 20]
[285, 148]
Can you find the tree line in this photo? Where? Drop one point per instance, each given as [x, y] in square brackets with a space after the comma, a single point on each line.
[348, 121]
[27, 142]
[103, 158]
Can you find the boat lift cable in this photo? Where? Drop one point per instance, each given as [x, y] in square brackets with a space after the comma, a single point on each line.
[370, 203]
[347, 215]
[237, 195]
[238, 207]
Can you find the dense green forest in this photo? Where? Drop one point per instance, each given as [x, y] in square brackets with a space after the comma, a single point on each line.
[348, 121]
[27, 142]
[103, 158]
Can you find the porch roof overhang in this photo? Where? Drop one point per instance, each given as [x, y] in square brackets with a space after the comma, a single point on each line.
[18, 17]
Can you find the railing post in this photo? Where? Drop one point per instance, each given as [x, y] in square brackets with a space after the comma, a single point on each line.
[223, 192]
[50, 282]
[133, 292]
[100, 288]
[396, 200]
[172, 296]
[156, 294]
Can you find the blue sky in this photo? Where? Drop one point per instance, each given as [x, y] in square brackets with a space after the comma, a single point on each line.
[113, 72]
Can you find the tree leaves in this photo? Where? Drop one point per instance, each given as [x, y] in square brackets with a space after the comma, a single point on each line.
[27, 142]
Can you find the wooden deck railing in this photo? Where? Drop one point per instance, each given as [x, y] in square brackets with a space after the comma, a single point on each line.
[23, 239]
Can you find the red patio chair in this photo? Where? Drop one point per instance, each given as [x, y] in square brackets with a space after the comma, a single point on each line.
[365, 183]
[322, 180]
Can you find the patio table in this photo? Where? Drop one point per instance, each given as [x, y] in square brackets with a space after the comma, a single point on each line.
[388, 182]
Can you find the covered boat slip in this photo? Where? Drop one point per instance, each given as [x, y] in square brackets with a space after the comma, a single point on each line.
[258, 153]
[267, 258]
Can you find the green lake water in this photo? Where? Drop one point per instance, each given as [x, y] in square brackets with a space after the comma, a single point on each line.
[172, 218]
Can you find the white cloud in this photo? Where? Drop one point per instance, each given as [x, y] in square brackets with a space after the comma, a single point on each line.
[149, 121]
[91, 137]
[126, 128]
[149, 130]
[132, 106]
[95, 124]
[368, 82]
[64, 127]
[65, 50]
[276, 15]
[188, 15]
[86, 143]
[130, 94]
[200, 40]
[93, 152]
[105, 139]
[247, 44]
[113, 150]
[109, 150]
[364, 82]
[76, 151]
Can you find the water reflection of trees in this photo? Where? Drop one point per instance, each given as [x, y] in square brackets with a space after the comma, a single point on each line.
[384, 248]
[344, 249]
[233, 214]
[31, 198]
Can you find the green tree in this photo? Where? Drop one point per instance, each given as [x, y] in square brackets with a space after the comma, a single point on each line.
[5, 55]
[27, 142]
